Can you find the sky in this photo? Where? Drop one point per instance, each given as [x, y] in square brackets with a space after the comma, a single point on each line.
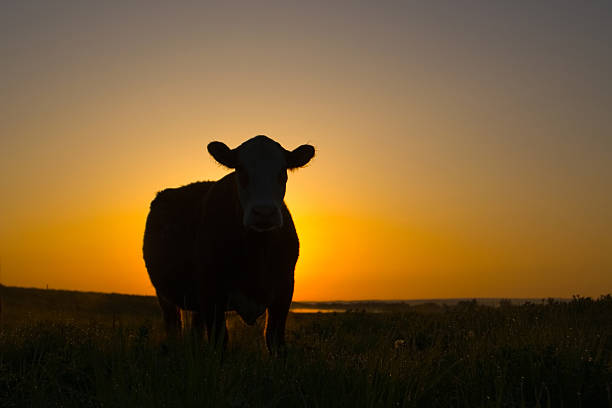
[464, 149]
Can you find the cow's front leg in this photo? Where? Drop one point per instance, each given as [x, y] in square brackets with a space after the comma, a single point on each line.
[215, 325]
[276, 318]
[171, 315]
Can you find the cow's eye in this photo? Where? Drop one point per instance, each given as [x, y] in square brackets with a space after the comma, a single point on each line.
[282, 176]
[243, 177]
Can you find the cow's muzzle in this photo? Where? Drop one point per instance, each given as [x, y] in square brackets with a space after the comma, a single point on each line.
[264, 218]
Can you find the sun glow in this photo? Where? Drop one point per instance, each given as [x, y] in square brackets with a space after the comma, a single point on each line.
[446, 166]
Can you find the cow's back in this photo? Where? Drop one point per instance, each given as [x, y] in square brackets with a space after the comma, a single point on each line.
[169, 238]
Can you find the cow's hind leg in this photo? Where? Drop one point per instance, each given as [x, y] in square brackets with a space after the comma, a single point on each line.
[171, 315]
[215, 325]
[197, 325]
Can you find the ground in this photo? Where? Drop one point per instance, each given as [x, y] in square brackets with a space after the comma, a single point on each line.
[76, 349]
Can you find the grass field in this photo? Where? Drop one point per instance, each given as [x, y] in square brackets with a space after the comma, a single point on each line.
[74, 349]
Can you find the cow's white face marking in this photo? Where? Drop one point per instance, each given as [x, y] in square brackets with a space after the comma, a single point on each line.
[261, 173]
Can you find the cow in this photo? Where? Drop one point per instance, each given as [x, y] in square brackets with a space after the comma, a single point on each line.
[227, 245]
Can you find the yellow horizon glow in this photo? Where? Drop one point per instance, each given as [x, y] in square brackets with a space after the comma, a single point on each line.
[343, 255]
[460, 152]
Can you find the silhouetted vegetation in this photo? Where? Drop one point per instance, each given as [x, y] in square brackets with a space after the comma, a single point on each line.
[81, 349]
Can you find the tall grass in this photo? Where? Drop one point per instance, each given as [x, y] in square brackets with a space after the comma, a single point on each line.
[550, 355]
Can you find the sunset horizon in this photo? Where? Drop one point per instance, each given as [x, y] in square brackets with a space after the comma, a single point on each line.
[461, 152]
[305, 204]
[488, 299]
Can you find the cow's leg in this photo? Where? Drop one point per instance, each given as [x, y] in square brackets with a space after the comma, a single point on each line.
[197, 324]
[215, 324]
[171, 315]
[276, 318]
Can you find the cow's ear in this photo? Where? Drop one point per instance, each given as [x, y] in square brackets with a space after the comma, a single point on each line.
[300, 156]
[222, 154]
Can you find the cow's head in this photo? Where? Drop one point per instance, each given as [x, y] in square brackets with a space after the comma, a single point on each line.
[261, 166]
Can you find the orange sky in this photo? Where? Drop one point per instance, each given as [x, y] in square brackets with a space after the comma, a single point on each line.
[461, 151]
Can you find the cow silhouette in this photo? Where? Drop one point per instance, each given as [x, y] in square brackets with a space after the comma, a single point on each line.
[211, 247]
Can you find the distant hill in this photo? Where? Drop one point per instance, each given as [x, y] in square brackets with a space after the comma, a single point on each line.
[19, 303]
[396, 305]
